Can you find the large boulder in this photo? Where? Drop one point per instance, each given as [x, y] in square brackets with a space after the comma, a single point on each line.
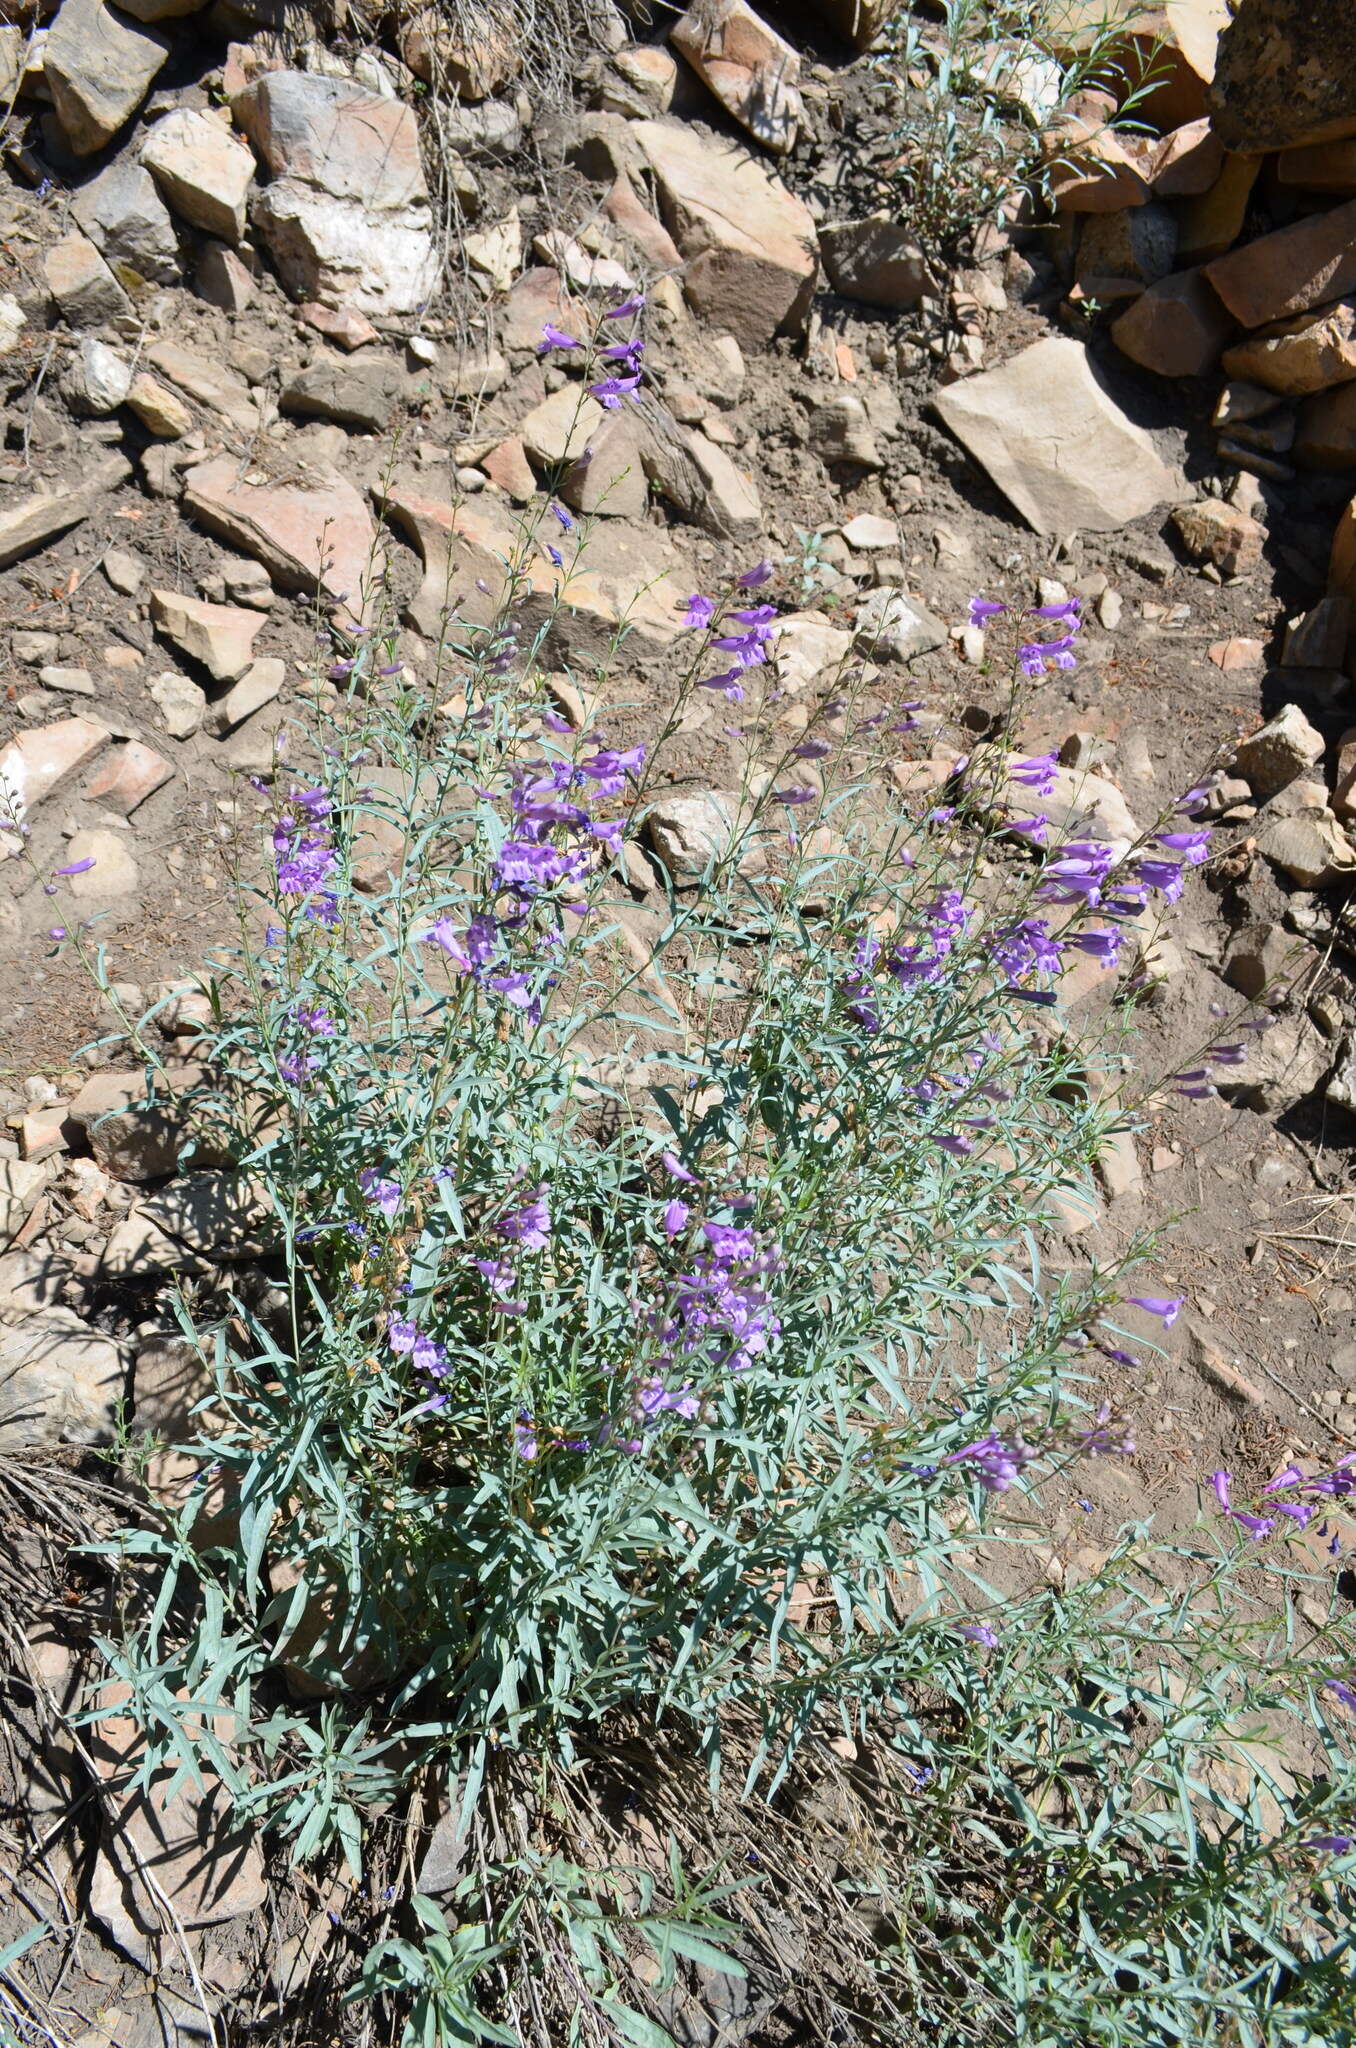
[1056, 444]
[748, 243]
[1286, 73]
[347, 214]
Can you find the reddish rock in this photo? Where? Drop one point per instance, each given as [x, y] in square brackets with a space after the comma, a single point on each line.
[347, 329]
[129, 775]
[1212, 531]
[1211, 224]
[1093, 172]
[1289, 272]
[39, 761]
[220, 636]
[314, 534]
[1176, 328]
[1186, 163]
[1165, 54]
[508, 466]
[1232, 655]
[1302, 356]
[650, 236]
[1319, 167]
[38, 516]
[1325, 430]
[203, 171]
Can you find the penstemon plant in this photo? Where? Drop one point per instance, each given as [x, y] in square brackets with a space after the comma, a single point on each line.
[659, 1331]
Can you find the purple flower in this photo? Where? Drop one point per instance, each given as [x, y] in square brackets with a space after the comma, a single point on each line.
[442, 934]
[1035, 657]
[653, 1398]
[634, 304]
[315, 1019]
[56, 932]
[1166, 1307]
[1256, 1526]
[566, 523]
[1344, 1692]
[1336, 1845]
[950, 1141]
[1195, 845]
[1221, 1482]
[1167, 876]
[401, 1335]
[530, 1226]
[525, 1437]
[676, 1214]
[811, 750]
[979, 1631]
[675, 1168]
[1068, 611]
[1039, 773]
[554, 337]
[382, 1194]
[982, 609]
[297, 1068]
[727, 683]
[1100, 945]
[997, 1460]
[610, 391]
[802, 793]
[79, 867]
[760, 573]
[699, 611]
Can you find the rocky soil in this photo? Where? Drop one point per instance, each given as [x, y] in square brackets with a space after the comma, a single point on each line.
[270, 303]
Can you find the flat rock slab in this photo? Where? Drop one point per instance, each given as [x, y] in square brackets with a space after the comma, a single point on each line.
[313, 535]
[203, 170]
[37, 762]
[750, 246]
[1056, 444]
[1289, 272]
[27, 522]
[60, 1381]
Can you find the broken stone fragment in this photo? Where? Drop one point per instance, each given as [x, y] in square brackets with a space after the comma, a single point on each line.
[1300, 356]
[129, 223]
[313, 533]
[347, 214]
[1280, 751]
[60, 1381]
[363, 392]
[751, 70]
[137, 1133]
[1057, 444]
[204, 173]
[1212, 531]
[1285, 73]
[749, 245]
[1177, 328]
[875, 262]
[219, 636]
[97, 66]
[82, 284]
[39, 762]
[1290, 271]
[689, 833]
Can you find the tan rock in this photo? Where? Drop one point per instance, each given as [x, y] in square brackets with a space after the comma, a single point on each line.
[1186, 163]
[1344, 786]
[1231, 656]
[203, 172]
[1318, 638]
[1176, 328]
[1342, 562]
[312, 533]
[136, 1133]
[475, 51]
[27, 522]
[638, 82]
[626, 210]
[748, 243]
[1138, 243]
[1299, 356]
[97, 66]
[220, 636]
[185, 1859]
[210, 383]
[259, 687]
[180, 702]
[1319, 166]
[82, 284]
[1311, 848]
[1325, 430]
[613, 482]
[1212, 531]
[223, 280]
[60, 1380]
[1291, 271]
[876, 261]
[114, 870]
[538, 296]
[1279, 752]
[581, 270]
[747, 65]
[346, 214]
[1209, 225]
[345, 328]
[1092, 171]
[1166, 55]
[1056, 444]
[560, 428]
[508, 467]
[160, 410]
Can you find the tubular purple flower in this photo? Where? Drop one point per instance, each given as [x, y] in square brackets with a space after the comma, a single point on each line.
[381, 1194]
[675, 1168]
[1344, 1692]
[1029, 828]
[559, 512]
[1195, 845]
[760, 573]
[1167, 876]
[1036, 657]
[699, 611]
[79, 867]
[676, 1214]
[610, 391]
[1104, 945]
[530, 1226]
[1255, 1526]
[951, 1142]
[1221, 1482]
[982, 609]
[978, 1632]
[728, 684]
[1039, 773]
[525, 1437]
[635, 303]
[1166, 1307]
[555, 337]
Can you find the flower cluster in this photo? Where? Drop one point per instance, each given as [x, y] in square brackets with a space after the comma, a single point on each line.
[749, 646]
[1295, 1497]
[622, 379]
[720, 1315]
[305, 855]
